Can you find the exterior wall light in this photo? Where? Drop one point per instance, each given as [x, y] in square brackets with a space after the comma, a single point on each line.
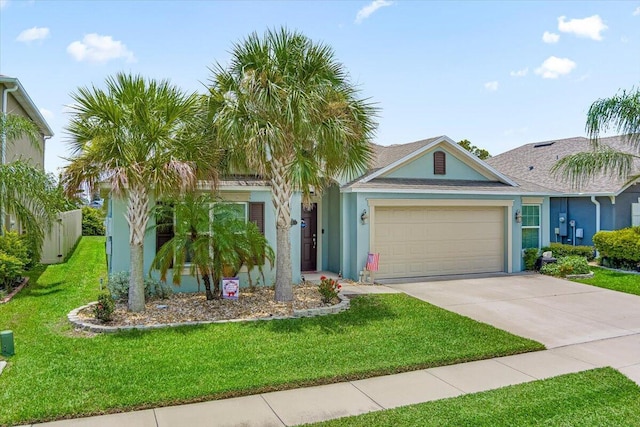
[364, 217]
[518, 216]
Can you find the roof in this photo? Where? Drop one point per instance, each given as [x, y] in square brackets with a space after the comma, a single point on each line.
[533, 162]
[22, 97]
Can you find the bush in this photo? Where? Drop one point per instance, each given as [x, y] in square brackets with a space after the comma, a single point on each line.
[118, 285]
[11, 270]
[15, 245]
[566, 266]
[329, 289]
[620, 248]
[92, 221]
[562, 250]
[530, 257]
[103, 310]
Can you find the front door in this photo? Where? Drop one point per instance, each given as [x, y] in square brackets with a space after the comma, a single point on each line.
[309, 232]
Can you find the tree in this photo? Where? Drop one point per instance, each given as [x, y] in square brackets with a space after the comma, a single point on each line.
[144, 138]
[211, 239]
[480, 153]
[620, 113]
[26, 191]
[284, 108]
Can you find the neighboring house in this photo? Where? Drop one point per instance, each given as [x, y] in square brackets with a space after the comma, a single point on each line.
[605, 202]
[429, 208]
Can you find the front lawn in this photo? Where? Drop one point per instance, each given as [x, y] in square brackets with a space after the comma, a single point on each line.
[609, 279]
[57, 372]
[600, 397]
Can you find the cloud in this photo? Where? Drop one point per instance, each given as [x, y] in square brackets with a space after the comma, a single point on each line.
[550, 38]
[99, 49]
[47, 114]
[35, 33]
[368, 10]
[519, 73]
[491, 86]
[636, 12]
[3, 3]
[554, 67]
[590, 27]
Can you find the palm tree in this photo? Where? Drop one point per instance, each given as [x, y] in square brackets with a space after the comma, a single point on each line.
[25, 190]
[211, 239]
[143, 137]
[620, 113]
[284, 108]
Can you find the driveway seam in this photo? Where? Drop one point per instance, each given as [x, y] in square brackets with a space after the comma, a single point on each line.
[155, 417]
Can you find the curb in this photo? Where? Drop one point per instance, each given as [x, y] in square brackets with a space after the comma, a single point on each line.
[15, 291]
[76, 321]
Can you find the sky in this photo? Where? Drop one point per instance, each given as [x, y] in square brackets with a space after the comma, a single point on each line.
[500, 74]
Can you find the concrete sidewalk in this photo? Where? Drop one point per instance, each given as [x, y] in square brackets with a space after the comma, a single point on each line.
[585, 327]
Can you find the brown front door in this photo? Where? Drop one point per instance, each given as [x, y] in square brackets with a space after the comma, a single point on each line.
[309, 232]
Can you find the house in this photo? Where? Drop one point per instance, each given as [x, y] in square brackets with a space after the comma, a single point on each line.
[429, 208]
[605, 202]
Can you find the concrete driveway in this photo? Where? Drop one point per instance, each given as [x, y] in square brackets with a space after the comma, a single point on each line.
[552, 311]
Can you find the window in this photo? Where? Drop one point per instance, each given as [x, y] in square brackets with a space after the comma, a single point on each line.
[530, 226]
[439, 163]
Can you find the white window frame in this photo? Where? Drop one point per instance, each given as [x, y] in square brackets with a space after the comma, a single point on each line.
[539, 226]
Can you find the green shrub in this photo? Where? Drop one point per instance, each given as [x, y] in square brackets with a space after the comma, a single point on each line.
[118, 285]
[15, 245]
[11, 270]
[562, 250]
[92, 221]
[619, 248]
[567, 265]
[103, 310]
[530, 257]
[328, 289]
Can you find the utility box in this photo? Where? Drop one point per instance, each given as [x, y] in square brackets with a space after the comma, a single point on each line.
[562, 220]
[6, 343]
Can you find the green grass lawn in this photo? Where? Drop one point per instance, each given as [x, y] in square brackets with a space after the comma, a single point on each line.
[623, 282]
[57, 372]
[600, 397]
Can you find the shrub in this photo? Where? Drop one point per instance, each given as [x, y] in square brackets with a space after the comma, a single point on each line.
[11, 270]
[329, 289]
[566, 266]
[92, 221]
[562, 250]
[530, 257]
[103, 310]
[15, 245]
[620, 248]
[118, 285]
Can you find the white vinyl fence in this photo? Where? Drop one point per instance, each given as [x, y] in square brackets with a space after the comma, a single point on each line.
[63, 236]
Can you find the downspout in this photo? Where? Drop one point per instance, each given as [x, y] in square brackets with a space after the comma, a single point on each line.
[597, 203]
[3, 148]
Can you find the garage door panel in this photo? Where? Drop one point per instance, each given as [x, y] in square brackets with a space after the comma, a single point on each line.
[427, 241]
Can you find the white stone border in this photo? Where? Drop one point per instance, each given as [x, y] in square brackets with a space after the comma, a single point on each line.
[75, 320]
[580, 276]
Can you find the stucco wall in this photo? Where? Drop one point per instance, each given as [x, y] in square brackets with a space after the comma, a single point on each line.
[622, 217]
[422, 168]
[583, 211]
[23, 148]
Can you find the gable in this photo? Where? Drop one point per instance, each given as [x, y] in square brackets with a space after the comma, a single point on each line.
[422, 167]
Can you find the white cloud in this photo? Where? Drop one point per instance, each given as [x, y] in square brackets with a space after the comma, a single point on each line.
[590, 27]
[492, 86]
[550, 38]
[47, 114]
[553, 67]
[3, 3]
[99, 49]
[519, 73]
[366, 11]
[637, 11]
[35, 33]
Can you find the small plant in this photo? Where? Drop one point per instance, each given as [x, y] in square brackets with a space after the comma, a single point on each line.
[92, 221]
[329, 289]
[11, 270]
[566, 266]
[118, 285]
[103, 310]
[530, 258]
[14, 244]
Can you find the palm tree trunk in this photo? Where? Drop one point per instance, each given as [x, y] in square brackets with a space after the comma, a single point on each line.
[206, 278]
[282, 201]
[137, 218]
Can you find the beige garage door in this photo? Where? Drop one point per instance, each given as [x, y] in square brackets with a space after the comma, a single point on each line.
[418, 241]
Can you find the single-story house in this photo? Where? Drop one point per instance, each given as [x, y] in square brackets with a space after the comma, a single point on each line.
[606, 202]
[429, 208]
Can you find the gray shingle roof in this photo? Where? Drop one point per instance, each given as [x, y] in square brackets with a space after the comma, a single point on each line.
[533, 163]
[385, 155]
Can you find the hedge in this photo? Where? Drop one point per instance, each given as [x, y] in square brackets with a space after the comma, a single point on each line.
[561, 250]
[619, 248]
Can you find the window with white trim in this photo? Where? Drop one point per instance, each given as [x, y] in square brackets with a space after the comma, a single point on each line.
[531, 226]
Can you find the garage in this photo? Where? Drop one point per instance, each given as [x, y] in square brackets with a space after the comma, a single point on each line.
[415, 241]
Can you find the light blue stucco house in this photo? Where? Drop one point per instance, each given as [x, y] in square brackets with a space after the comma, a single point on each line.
[605, 202]
[429, 208]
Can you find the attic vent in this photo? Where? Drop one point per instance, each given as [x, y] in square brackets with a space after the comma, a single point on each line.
[544, 144]
[439, 163]
[530, 168]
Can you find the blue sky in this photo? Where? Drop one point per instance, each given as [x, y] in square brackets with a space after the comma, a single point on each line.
[500, 74]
